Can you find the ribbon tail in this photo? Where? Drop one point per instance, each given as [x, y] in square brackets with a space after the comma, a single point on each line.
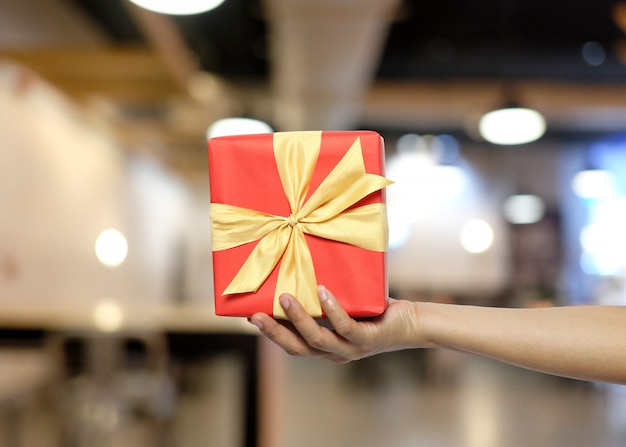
[364, 226]
[261, 262]
[297, 277]
[232, 226]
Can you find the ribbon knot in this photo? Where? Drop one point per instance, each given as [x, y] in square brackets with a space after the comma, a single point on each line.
[292, 220]
[327, 213]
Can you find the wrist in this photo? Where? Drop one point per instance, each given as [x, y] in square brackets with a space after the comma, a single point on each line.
[417, 334]
[423, 316]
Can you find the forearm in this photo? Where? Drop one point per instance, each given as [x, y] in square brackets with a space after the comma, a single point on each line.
[582, 342]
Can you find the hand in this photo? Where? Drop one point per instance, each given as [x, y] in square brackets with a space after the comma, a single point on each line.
[397, 328]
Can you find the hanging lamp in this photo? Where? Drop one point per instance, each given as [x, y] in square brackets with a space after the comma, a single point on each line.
[178, 7]
[512, 124]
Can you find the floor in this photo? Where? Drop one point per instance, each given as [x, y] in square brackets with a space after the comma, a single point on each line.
[459, 401]
[417, 398]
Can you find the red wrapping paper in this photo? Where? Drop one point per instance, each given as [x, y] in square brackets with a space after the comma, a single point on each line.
[243, 172]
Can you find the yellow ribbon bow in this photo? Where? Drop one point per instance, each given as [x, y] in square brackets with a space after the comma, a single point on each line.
[325, 214]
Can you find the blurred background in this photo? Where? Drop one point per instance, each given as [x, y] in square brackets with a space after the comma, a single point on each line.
[107, 332]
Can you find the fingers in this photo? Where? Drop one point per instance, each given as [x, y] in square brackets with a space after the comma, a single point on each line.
[343, 324]
[283, 335]
[303, 336]
[317, 337]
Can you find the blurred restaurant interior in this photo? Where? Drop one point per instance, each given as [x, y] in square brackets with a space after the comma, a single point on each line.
[107, 329]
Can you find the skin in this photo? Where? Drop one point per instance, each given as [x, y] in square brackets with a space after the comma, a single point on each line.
[582, 342]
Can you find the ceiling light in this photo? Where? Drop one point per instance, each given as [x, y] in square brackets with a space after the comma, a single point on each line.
[237, 126]
[523, 209]
[178, 7]
[512, 125]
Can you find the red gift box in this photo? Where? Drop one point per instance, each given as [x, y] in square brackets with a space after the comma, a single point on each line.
[291, 210]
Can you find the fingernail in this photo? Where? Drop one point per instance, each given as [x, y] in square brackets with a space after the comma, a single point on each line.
[284, 301]
[323, 294]
[258, 324]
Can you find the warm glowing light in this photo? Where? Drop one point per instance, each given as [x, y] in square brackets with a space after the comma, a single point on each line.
[514, 125]
[178, 7]
[111, 247]
[237, 126]
[108, 316]
[476, 236]
[594, 184]
[523, 209]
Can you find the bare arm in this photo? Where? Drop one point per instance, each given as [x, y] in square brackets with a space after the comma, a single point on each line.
[585, 342]
[581, 342]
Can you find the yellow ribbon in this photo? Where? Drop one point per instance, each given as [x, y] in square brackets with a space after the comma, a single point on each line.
[324, 214]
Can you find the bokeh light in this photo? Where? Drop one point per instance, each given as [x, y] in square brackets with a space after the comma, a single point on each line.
[594, 184]
[108, 316]
[515, 125]
[523, 209]
[111, 247]
[476, 236]
[178, 7]
[237, 126]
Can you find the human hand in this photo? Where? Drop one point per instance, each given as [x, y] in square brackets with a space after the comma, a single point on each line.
[397, 328]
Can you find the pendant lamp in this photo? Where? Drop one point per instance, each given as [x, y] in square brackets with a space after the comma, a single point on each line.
[512, 124]
[178, 7]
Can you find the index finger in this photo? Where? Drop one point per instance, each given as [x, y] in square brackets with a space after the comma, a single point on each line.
[283, 334]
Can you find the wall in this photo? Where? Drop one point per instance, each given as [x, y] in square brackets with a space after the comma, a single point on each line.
[63, 180]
